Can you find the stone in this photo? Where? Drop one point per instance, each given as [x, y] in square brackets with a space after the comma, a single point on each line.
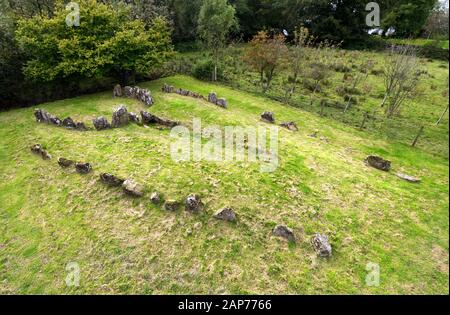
[226, 214]
[81, 126]
[409, 178]
[130, 187]
[378, 163]
[212, 98]
[222, 102]
[314, 134]
[167, 88]
[284, 232]
[155, 198]
[289, 125]
[120, 117]
[65, 162]
[149, 119]
[134, 118]
[129, 91]
[268, 117]
[83, 168]
[146, 98]
[117, 91]
[171, 205]
[37, 149]
[101, 123]
[321, 245]
[44, 117]
[69, 123]
[111, 180]
[193, 204]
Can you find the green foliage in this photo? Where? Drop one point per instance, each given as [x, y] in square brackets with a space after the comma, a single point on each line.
[204, 69]
[107, 42]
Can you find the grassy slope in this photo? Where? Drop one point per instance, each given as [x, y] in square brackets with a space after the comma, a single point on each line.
[50, 217]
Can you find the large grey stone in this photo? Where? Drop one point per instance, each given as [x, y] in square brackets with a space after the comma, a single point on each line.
[111, 180]
[212, 98]
[65, 162]
[117, 91]
[120, 117]
[193, 204]
[130, 187]
[222, 102]
[268, 117]
[150, 119]
[226, 214]
[322, 245]
[101, 123]
[83, 168]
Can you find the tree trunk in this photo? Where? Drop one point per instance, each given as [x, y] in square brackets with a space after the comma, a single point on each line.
[416, 139]
[348, 103]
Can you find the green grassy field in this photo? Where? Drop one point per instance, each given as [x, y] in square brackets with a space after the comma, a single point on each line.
[51, 217]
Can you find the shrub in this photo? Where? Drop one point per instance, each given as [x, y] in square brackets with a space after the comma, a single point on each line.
[204, 70]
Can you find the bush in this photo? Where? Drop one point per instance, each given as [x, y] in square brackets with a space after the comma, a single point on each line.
[204, 70]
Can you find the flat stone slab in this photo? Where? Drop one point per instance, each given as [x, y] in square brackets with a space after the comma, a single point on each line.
[284, 232]
[131, 188]
[409, 178]
[378, 163]
[226, 214]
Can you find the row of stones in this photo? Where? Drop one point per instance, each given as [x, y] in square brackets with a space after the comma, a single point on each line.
[212, 97]
[192, 204]
[136, 92]
[269, 117]
[120, 117]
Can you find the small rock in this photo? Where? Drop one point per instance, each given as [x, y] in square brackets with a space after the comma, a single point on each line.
[101, 123]
[155, 198]
[37, 149]
[193, 204]
[321, 245]
[65, 162]
[284, 232]
[409, 178]
[171, 205]
[197, 225]
[268, 117]
[167, 88]
[130, 187]
[44, 117]
[222, 102]
[83, 168]
[129, 91]
[120, 117]
[314, 134]
[117, 91]
[134, 118]
[81, 126]
[290, 125]
[378, 163]
[148, 119]
[111, 180]
[226, 214]
[69, 123]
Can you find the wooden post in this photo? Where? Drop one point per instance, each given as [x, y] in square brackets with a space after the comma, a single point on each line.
[366, 116]
[418, 136]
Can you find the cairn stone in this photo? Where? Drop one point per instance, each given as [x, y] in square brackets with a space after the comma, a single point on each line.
[222, 103]
[284, 232]
[44, 117]
[226, 214]
[117, 91]
[81, 126]
[69, 123]
[155, 198]
[37, 149]
[149, 119]
[129, 91]
[83, 168]
[65, 162]
[120, 117]
[289, 125]
[322, 245]
[146, 98]
[134, 118]
[268, 117]
[378, 163]
[111, 180]
[212, 98]
[101, 123]
[171, 205]
[130, 187]
[409, 178]
[193, 204]
[167, 88]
